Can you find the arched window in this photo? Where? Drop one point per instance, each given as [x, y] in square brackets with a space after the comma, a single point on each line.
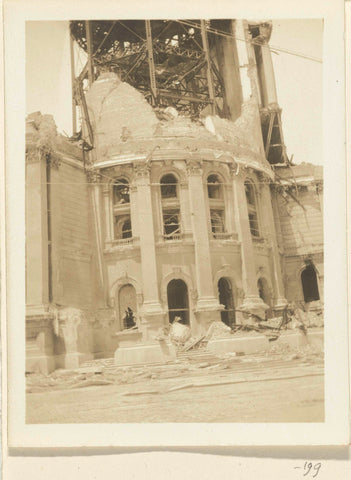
[170, 207]
[214, 187]
[252, 209]
[121, 210]
[309, 284]
[123, 227]
[169, 185]
[216, 204]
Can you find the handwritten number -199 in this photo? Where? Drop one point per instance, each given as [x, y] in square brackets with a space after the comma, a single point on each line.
[308, 467]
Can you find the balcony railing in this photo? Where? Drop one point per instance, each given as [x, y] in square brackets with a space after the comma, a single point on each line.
[224, 236]
[171, 237]
[122, 242]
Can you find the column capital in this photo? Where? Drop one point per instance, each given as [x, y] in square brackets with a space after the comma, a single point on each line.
[194, 166]
[233, 168]
[93, 176]
[141, 169]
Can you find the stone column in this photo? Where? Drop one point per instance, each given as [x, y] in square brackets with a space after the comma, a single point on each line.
[239, 29]
[185, 210]
[95, 195]
[267, 211]
[151, 309]
[252, 302]
[39, 331]
[37, 291]
[268, 77]
[207, 307]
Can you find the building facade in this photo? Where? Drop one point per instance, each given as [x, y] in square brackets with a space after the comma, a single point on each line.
[184, 208]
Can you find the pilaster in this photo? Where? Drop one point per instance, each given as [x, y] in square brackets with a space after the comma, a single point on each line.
[207, 307]
[37, 287]
[252, 302]
[151, 309]
[267, 212]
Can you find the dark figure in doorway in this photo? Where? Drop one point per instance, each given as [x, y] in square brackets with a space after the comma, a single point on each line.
[129, 321]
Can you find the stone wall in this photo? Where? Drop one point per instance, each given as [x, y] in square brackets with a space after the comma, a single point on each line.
[72, 241]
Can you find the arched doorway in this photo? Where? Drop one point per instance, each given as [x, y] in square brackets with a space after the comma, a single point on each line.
[127, 302]
[178, 301]
[309, 284]
[225, 293]
[265, 294]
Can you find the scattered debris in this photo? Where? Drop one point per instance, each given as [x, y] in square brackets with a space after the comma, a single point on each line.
[180, 387]
[179, 333]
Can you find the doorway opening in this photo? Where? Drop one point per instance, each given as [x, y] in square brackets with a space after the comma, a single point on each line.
[178, 301]
[309, 284]
[225, 293]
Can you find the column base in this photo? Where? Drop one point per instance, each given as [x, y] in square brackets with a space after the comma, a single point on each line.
[153, 321]
[44, 364]
[160, 352]
[255, 305]
[207, 311]
[280, 304]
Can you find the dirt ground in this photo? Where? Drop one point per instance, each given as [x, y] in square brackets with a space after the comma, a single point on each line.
[281, 385]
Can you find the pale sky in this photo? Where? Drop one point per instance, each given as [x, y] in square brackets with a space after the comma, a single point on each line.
[299, 80]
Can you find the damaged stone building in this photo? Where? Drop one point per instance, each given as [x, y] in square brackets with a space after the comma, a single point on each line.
[174, 199]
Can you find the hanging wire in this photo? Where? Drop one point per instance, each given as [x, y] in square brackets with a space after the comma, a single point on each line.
[252, 42]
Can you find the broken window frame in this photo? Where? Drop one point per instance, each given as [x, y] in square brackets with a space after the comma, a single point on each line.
[124, 198]
[175, 232]
[251, 202]
[217, 222]
[170, 206]
[216, 203]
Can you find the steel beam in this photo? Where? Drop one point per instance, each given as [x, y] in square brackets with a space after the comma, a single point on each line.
[210, 86]
[150, 56]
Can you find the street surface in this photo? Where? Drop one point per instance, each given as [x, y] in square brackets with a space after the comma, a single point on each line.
[271, 387]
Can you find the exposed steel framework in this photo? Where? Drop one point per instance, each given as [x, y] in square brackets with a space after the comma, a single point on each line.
[168, 61]
[172, 62]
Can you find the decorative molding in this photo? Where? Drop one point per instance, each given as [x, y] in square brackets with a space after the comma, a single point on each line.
[141, 169]
[194, 166]
[234, 169]
[53, 160]
[93, 176]
[32, 155]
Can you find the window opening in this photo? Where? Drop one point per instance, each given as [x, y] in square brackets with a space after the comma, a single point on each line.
[214, 187]
[171, 224]
[217, 222]
[169, 186]
[123, 227]
[252, 209]
[121, 192]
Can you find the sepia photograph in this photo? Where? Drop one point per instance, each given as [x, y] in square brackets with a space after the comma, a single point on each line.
[174, 238]
[174, 275]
